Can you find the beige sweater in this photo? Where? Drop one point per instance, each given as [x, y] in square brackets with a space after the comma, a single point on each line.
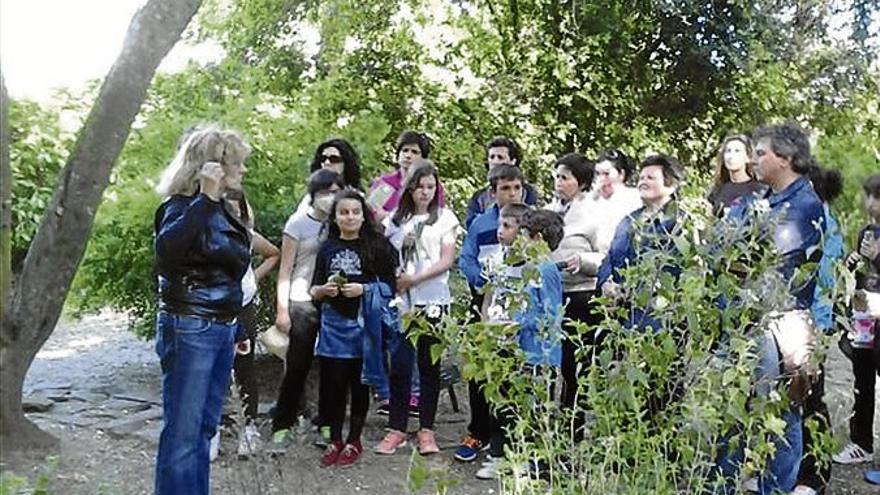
[581, 238]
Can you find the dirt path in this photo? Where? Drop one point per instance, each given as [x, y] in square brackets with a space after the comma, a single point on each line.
[97, 388]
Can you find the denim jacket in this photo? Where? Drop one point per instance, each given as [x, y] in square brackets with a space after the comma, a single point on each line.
[798, 235]
[629, 244]
[202, 253]
[832, 250]
[381, 326]
[543, 318]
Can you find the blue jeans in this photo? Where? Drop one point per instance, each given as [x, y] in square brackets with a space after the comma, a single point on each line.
[782, 471]
[196, 356]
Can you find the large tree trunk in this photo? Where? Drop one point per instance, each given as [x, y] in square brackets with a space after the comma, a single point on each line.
[37, 297]
[5, 203]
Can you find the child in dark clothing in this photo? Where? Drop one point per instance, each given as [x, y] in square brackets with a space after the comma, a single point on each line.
[353, 256]
[865, 261]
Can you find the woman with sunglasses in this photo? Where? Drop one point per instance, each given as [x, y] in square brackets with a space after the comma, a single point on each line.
[337, 155]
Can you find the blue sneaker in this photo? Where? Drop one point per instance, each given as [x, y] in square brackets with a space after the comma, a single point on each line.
[469, 449]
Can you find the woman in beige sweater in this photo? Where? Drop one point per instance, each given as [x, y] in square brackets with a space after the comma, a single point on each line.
[578, 257]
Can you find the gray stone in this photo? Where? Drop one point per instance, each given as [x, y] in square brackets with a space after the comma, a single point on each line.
[89, 397]
[120, 407]
[130, 424]
[135, 398]
[50, 385]
[59, 397]
[37, 404]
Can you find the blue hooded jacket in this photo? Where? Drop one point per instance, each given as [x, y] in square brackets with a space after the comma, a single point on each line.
[543, 315]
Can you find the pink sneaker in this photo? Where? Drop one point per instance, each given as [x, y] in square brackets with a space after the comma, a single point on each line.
[427, 442]
[392, 441]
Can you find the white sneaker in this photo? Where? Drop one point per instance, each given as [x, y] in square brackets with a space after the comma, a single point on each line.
[215, 446]
[489, 471]
[248, 441]
[851, 453]
[803, 490]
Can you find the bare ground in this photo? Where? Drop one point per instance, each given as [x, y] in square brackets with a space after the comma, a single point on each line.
[100, 387]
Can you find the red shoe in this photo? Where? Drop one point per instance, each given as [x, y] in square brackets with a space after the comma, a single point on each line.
[331, 454]
[350, 453]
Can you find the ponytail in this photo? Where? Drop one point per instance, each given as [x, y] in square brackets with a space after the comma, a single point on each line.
[827, 183]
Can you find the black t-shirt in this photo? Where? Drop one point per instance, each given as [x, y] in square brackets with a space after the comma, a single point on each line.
[868, 277]
[347, 258]
[727, 194]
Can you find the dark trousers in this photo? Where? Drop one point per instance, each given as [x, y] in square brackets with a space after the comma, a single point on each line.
[244, 368]
[339, 379]
[861, 424]
[576, 364]
[811, 473]
[480, 426]
[504, 417]
[304, 317]
[401, 381]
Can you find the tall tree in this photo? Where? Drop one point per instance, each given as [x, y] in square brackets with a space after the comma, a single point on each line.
[37, 296]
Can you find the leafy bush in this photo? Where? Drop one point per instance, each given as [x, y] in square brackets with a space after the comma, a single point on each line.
[38, 150]
[659, 405]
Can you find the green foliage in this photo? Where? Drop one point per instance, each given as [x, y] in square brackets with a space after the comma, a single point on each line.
[12, 484]
[557, 75]
[38, 150]
[658, 404]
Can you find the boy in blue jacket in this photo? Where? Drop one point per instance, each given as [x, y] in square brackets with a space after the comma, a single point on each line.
[540, 322]
[480, 247]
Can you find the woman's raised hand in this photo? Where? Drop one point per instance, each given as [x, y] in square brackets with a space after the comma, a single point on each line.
[210, 179]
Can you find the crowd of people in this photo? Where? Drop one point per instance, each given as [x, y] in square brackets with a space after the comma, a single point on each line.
[352, 261]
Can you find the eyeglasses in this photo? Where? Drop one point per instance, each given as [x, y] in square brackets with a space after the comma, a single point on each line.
[334, 159]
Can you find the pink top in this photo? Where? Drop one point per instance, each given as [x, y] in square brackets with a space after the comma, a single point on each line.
[385, 192]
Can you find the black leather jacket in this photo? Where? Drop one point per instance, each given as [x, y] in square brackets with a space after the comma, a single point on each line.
[202, 253]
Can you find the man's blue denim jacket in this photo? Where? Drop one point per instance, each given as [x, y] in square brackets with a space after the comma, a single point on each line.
[798, 235]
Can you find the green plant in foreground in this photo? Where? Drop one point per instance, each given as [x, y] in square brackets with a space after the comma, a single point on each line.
[658, 403]
[13, 484]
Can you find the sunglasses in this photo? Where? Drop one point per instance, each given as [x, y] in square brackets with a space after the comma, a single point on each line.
[332, 159]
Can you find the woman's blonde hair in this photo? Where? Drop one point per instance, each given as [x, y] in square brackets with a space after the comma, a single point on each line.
[199, 145]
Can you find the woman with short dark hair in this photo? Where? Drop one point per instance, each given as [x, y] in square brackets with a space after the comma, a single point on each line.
[581, 255]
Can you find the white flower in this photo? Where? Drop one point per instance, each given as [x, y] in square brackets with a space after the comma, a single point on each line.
[660, 303]
[397, 303]
[761, 206]
[433, 311]
[496, 312]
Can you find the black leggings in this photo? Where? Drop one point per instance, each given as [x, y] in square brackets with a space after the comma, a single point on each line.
[339, 377]
[304, 320]
[579, 308]
[866, 370]
[244, 367]
[401, 377]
